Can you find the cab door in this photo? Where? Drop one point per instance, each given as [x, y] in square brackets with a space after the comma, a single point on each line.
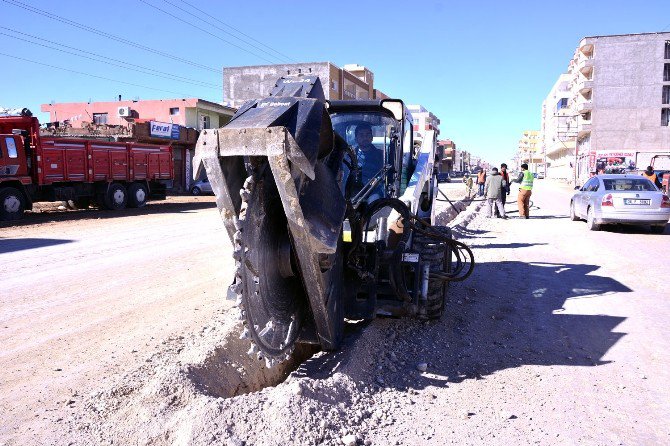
[12, 156]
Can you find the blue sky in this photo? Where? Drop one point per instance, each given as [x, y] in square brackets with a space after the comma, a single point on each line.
[482, 67]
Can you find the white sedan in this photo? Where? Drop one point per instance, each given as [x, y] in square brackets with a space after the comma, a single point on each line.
[620, 199]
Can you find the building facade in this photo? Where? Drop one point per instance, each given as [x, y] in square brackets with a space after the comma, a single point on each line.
[353, 82]
[127, 120]
[619, 105]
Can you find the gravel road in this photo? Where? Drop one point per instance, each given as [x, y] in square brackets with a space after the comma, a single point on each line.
[559, 337]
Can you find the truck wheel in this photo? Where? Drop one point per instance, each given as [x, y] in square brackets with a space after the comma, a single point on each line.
[12, 204]
[433, 251]
[116, 197]
[137, 195]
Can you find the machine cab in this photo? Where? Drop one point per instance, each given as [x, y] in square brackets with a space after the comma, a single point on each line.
[377, 137]
[12, 157]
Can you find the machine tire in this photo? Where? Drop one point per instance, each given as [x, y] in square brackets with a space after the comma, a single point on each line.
[573, 214]
[116, 197]
[658, 229]
[12, 204]
[195, 190]
[434, 251]
[591, 220]
[137, 195]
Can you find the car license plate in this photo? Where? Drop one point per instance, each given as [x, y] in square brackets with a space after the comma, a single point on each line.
[635, 201]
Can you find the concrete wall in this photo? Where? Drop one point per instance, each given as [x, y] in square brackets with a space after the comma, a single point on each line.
[627, 88]
[241, 84]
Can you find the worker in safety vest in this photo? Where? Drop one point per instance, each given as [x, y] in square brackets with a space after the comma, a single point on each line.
[651, 175]
[525, 178]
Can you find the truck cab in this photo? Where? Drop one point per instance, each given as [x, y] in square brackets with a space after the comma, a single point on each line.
[13, 164]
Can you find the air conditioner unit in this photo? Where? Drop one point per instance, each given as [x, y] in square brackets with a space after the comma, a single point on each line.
[124, 112]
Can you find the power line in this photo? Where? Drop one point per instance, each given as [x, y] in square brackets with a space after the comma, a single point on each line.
[107, 35]
[237, 30]
[96, 76]
[231, 34]
[204, 30]
[105, 59]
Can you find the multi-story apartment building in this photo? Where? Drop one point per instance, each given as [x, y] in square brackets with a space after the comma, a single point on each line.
[530, 151]
[446, 152]
[557, 141]
[619, 104]
[352, 82]
[423, 120]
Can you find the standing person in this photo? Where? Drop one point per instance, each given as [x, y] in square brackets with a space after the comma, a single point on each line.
[370, 159]
[651, 176]
[505, 187]
[493, 192]
[481, 181]
[525, 178]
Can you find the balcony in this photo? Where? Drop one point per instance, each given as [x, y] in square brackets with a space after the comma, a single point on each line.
[585, 66]
[585, 87]
[584, 107]
[583, 129]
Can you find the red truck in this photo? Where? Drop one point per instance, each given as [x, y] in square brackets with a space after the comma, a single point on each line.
[112, 175]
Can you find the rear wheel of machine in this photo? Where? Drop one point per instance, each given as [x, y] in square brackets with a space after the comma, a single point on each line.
[434, 251]
[12, 204]
[116, 197]
[273, 306]
[137, 195]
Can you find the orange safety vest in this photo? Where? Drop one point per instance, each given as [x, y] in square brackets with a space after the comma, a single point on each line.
[652, 177]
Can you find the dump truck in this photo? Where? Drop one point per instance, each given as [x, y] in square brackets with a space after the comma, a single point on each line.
[112, 175]
[330, 209]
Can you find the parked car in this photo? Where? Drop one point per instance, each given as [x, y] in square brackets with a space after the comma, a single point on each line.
[539, 176]
[443, 177]
[620, 199]
[201, 187]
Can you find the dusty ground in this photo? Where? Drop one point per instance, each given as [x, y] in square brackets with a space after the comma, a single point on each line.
[560, 337]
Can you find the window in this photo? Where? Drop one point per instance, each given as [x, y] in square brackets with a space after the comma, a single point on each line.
[641, 184]
[665, 116]
[667, 49]
[666, 72]
[204, 122]
[562, 103]
[333, 85]
[11, 147]
[99, 118]
[174, 111]
[666, 94]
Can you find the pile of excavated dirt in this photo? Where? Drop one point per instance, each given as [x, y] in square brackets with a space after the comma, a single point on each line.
[203, 388]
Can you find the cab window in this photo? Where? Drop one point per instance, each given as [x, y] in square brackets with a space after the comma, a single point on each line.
[11, 147]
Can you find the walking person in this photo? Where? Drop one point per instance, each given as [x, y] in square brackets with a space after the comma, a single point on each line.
[525, 178]
[493, 191]
[481, 181]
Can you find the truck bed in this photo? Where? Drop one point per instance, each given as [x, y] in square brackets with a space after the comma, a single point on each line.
[60, 160]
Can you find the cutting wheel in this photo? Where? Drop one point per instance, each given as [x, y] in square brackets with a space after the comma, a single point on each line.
[273, 303]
